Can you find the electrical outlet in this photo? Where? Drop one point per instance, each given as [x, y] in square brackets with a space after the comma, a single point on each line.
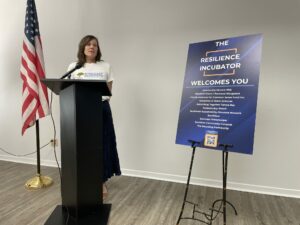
[54, 142]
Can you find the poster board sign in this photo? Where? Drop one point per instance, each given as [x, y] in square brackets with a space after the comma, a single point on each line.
[219, 98]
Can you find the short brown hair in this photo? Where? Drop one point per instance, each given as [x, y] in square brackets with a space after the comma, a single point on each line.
[80, 54]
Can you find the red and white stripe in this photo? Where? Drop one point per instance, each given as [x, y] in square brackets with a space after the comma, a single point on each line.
[34, 94]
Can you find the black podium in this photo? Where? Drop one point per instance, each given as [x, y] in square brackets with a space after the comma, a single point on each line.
[81, 152]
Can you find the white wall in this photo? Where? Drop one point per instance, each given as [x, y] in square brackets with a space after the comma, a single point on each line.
[146, 42]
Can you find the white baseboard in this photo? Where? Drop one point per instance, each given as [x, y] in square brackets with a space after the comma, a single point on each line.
[294, 193]
[26, 160]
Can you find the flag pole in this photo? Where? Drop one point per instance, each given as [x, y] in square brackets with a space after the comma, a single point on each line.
[38, 181]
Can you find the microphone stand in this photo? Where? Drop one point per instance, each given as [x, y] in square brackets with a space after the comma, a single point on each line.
[71, 71]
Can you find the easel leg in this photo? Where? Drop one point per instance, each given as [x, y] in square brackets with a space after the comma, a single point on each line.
[223, 201]
[187, 185]
[225, 164]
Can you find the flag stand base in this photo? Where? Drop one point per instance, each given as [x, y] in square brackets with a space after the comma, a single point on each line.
[38, 182]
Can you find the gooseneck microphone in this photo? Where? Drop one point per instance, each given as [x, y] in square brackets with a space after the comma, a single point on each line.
[71, 71]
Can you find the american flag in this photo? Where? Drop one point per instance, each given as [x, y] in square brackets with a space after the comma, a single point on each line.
[34, 93]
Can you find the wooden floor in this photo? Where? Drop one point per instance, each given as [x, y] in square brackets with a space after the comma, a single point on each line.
[137, 201]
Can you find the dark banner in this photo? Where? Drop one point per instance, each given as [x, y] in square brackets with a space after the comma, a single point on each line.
[218, 104]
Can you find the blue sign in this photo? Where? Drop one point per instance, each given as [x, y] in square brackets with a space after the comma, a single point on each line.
[218, 104]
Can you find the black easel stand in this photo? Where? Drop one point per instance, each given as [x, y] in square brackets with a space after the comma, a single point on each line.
[214, 212]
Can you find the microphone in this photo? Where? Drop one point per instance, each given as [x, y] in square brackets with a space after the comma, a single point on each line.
[71, 71]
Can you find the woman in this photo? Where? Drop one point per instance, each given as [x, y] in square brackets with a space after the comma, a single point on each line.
[89, 57]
